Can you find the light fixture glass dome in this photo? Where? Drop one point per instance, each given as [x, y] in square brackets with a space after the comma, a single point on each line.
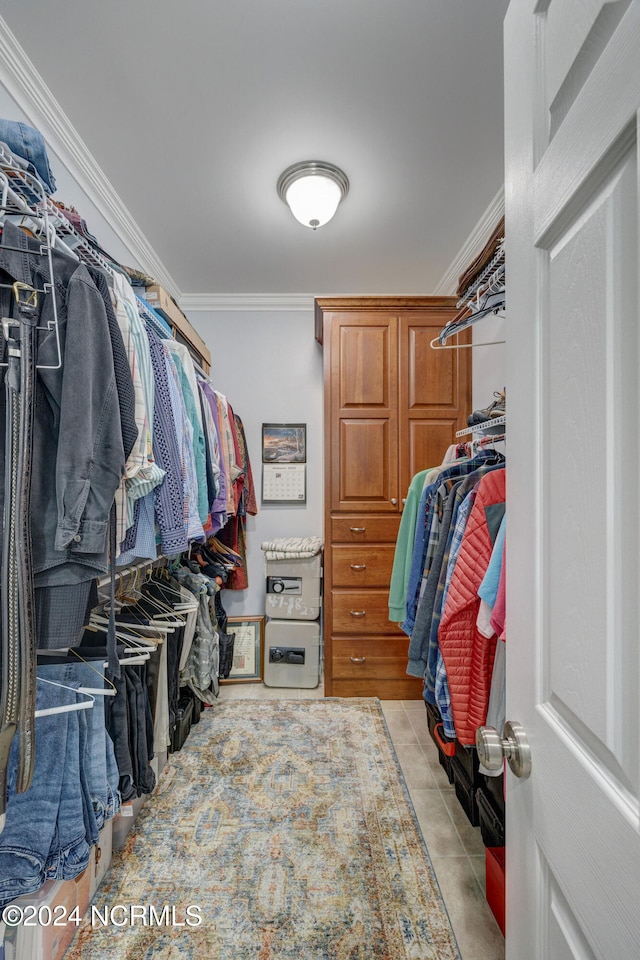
[313, 190]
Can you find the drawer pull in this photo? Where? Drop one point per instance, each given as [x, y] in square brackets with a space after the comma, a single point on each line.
[358, 566]
[357, 529]
[357, 613]
[357, 659]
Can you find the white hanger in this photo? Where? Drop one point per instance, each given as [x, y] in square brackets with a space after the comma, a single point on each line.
[108, 691]
[463, 346]
[97, 621]
[65, 707]
[133, 660]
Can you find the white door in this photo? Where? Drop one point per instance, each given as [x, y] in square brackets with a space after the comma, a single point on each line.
[573, 641]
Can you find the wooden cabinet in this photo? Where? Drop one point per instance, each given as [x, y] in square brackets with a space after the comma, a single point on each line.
[392, 407]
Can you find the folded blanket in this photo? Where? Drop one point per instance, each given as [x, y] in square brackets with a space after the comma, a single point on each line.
[292, 548]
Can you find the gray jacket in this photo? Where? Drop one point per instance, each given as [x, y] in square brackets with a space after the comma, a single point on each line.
[78, 454]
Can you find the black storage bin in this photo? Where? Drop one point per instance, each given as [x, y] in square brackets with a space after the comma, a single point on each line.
[184, 715]
[197, 710]
[467, 758]
[465, 790]
[186, 693]
[493, 789]
[491, 820]
[433, 720]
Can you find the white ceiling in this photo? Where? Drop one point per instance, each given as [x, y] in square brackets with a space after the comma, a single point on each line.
[193, 109]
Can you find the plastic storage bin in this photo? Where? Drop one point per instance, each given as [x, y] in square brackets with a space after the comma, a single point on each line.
[495, 873]
[292, 653]
[445, 752]
[184, 715]
[465, 789]
[294, 588]
[46, 941]
[491, 820]
[100, 857]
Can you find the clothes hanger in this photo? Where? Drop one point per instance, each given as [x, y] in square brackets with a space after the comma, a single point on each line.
[108, 691]
[186, 606]
[65, 707]
[172, 608]
[463, 346]
[131, 633]
[138, 630]
[132, 596]
[181, 604]
[100, 617]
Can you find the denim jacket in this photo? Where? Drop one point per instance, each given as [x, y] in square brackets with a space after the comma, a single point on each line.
[78, 453]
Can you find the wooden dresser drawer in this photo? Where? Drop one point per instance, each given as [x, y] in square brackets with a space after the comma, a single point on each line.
[358, 658]
[365, 529]
[394, 689]
[362, 611]
[364, 566]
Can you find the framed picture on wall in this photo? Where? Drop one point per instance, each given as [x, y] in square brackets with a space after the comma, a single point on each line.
[248, 649]
[284, 443]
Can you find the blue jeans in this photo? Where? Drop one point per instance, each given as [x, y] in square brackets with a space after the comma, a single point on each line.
[98, 767]
[75, 824]
[27, 142]
[50, 828]
[38, 821]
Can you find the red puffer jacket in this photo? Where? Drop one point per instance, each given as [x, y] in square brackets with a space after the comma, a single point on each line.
[468, 656]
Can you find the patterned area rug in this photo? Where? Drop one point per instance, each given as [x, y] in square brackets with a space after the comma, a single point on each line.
[286, 827]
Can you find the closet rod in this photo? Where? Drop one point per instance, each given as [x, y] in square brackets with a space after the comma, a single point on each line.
[495, 262]
[479, 427]
[128, 569]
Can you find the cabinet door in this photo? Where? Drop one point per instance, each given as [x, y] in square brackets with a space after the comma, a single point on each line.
[435, 392]
[363, 412]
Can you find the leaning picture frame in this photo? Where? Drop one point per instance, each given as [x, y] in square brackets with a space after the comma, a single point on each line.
[248, 649]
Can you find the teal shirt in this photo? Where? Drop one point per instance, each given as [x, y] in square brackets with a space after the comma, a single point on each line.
[404, 551]
[199, 449]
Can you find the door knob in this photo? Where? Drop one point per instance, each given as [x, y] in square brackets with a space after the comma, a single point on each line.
[393, 501]
[512, 746]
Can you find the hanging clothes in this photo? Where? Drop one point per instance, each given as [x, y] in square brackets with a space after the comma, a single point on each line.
[467, 654]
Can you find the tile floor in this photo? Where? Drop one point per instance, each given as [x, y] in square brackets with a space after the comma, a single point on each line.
[455, 847]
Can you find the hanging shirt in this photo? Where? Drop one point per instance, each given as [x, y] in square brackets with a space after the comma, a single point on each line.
[404, 550]
[211, 448]
[137, 456]
[192, 523]
[78, 454]
[232, 469]
[219, 505]
[149, 475]
[169, 496]
[197, 446]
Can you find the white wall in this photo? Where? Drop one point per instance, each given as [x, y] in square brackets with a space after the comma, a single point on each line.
[270, 368]
[490, 362]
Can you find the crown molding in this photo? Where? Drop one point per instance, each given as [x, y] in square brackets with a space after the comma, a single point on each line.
[28, 89]
[248, 303]
[472, 246]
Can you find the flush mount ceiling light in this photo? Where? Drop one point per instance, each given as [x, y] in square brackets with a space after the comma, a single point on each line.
[313, 190]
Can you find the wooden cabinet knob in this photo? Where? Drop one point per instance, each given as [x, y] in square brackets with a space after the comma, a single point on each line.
[358, 566]
[357, 613]
[357, 659]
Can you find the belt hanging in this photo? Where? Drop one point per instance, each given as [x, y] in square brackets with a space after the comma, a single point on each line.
[18, 653]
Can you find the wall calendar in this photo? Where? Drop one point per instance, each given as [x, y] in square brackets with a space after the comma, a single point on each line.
[284, 482]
